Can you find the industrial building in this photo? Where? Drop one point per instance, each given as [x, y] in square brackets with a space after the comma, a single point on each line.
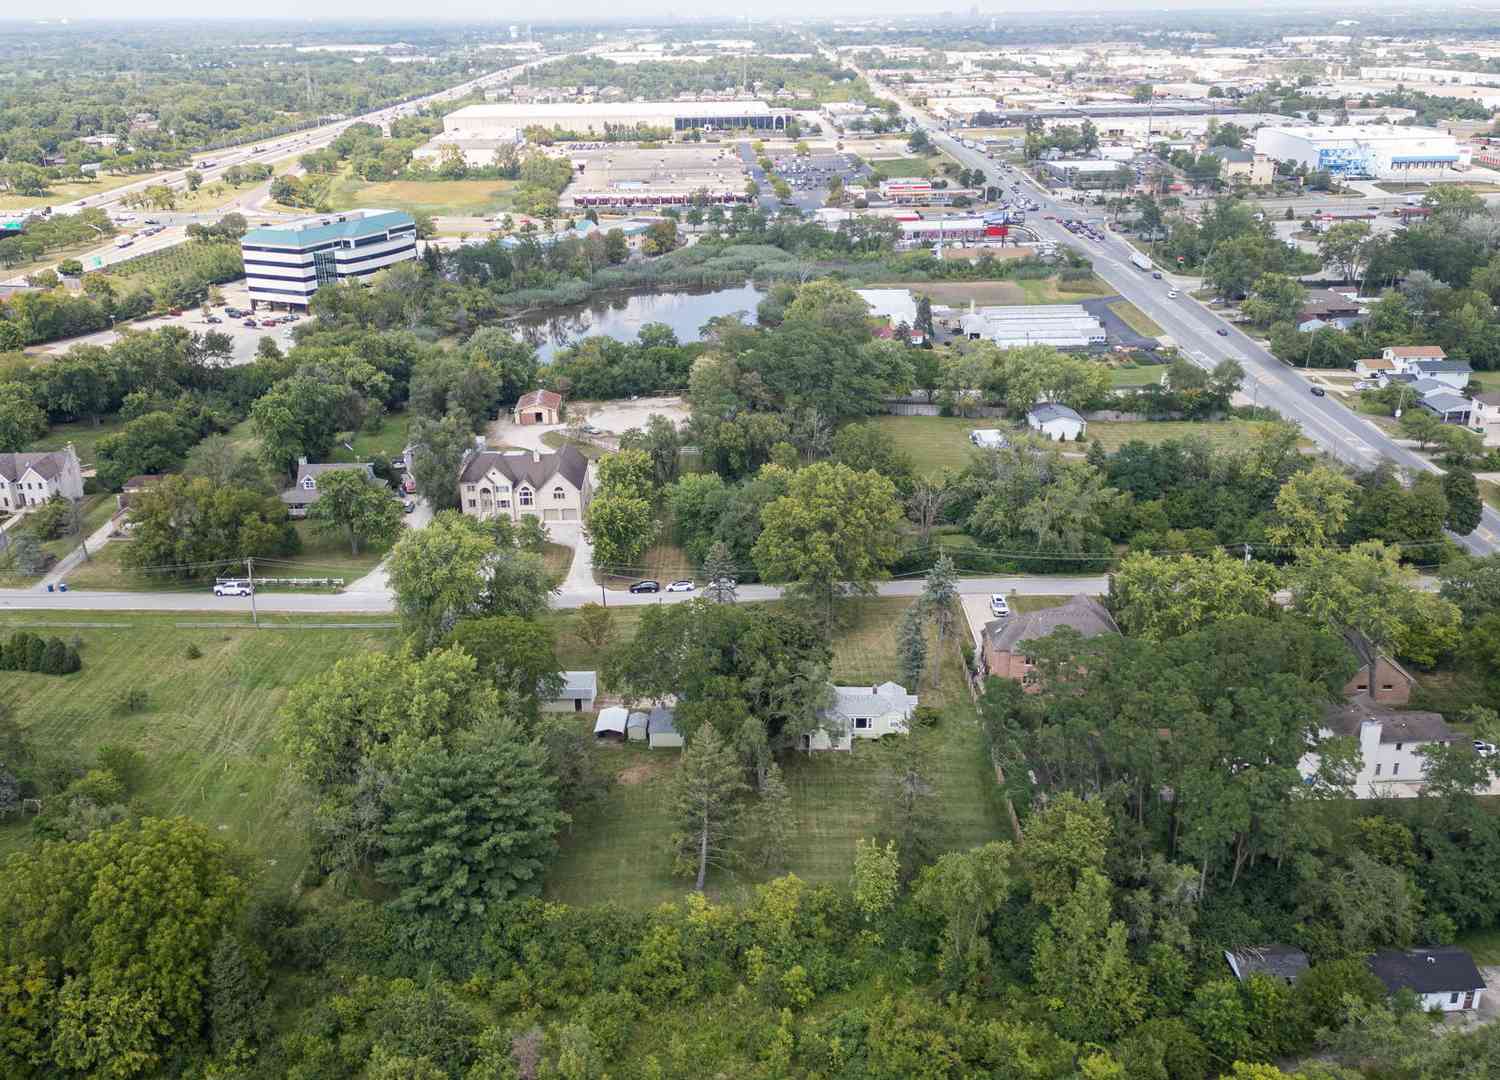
[1371, 152]
[951, 230]
[1063, 326]
[918, 192]
[597, 119]
[1090, 173]
[287, 263]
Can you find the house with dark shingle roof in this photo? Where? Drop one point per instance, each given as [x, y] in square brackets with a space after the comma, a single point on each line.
[1004, 641]
[1390, 742]
[1445, 978]
[28, 480]
[1274, 961]
[304, 491]
[1379, 676]
[520, 483]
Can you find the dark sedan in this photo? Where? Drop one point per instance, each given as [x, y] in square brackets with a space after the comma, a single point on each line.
[646, 586]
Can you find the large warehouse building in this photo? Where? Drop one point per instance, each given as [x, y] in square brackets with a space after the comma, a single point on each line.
[599, 118]
[287, 263]
[1063, 326]
[1370, 152]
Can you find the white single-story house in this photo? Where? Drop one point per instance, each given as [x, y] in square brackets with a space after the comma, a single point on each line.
[660, 732]
[1377, 367]
[612, 721]
[580, 688]
[989, 439]
[1056, 422]
[863, 712]
[1444, 978]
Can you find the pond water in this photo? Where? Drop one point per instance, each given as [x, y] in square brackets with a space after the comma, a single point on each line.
[622, 316]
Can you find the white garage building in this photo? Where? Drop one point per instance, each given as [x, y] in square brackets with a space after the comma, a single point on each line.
[1366, 152]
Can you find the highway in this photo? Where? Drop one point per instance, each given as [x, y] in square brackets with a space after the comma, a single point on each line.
[1194, 327]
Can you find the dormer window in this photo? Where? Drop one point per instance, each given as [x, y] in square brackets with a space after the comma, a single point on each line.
[308, 483]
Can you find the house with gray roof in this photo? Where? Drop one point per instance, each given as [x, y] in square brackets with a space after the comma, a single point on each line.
[1274, 961]
[1445, 978]
[304, 491]
[862, 712]
[579, 691]
[1390, 743]
[1056, 422]
[1450, 407]
[554, 487]
[29, 480]
[1454, 374]
[1004, 640]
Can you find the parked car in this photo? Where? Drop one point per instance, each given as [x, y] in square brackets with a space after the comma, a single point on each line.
[408, 505]
[1318, 391]
[269, 324]
[234, 588]
[250, 323]
[409, 484]
[680, 586]
[212, 319]
[646, 586]
[1222, 332]
[998, 606]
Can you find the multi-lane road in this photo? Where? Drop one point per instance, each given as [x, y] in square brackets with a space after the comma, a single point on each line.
[1195, 328]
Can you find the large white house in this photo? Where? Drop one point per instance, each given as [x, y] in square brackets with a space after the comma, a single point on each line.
[521, 483]
[1390, 744]
[862, 712]
[29, 480]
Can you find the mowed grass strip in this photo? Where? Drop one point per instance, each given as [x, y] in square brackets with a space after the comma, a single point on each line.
[618, 850]
[207, 731]
[448, 198]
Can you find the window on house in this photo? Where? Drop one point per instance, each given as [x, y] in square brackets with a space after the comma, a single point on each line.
[526, 497]
[471, 504]
[1453, 998]
[309, 483]
[1377, 770]
[1385, 686]
[861, 723]
[1028, 661]
[559, 494]
[505, 504]
[1361, 686]
[468, 487]
[1396, 768]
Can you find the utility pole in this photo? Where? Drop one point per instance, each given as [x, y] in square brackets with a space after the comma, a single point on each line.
[250, 580]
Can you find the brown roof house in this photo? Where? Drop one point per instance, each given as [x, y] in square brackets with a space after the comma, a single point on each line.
[29, 480]
[1004, 641]
[304, 492]
[1379, 677]
[539, 407]
[1390, 741]
[517, 483]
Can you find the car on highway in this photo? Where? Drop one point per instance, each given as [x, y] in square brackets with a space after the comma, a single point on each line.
[646, 587]
[1171, 294]
[680, 586]
[151, 221]
[234, 588]
[1318, 391]
[1222, 332]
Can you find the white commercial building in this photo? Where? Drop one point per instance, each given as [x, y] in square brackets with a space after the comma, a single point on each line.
[285, 264]
[601, 118]
[1063, 326]
[1371, 152]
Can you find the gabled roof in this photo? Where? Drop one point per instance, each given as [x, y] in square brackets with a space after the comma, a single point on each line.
[1280, 961]
[297, 494]
[1396, 725]
[1446, 402]
[531, 467]
[48, 464]
[579, 684]
[1417, 352]
[1427, 971]
[856, 701]
[1041, 414]
[1442, 367]
[546, 399]
[1083, 613]
[1377, 363]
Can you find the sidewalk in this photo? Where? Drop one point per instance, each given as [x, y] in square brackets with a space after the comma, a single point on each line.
[70, 561]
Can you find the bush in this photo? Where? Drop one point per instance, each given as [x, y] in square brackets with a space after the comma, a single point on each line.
[193, 652]
[133, 701]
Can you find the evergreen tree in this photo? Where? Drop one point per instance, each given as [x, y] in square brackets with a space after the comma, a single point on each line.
[236, 995]
[55, 657]
[721, 573]
[36, 653]
[775, 824]
[940, 595]
[1464, 508]
[705, 804]
[911, 645]
[906, 797]
[1097, 457]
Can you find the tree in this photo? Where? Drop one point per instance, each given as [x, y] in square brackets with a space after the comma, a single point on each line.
[472, 826]
[1275, 298]
[438, 448]
[83, 915]
[965, 889]
[297, 418]
[518, 655]
[940, 595]
[911, 646]
[594, 625]
[834, 529]
[620, 526]
[877, 878]
[1083, 968]
[184, 526]
[705, 804]
[1465, 510]
[236, 999]
[906, 795]
[1063, 841]
[721, 574]
[773, 824]
[1312, 508]
[21, 422]
[1421, 425]
[349, 501]
[1158, 597]
[1344, 246]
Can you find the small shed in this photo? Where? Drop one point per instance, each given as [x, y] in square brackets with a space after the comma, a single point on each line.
[580, 688]
[1056, 422]
[635, 726]
[1275, 961]
[661, 733]
[612, 723]
[539, 407]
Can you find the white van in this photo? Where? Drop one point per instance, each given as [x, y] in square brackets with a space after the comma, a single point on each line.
[1171, 294]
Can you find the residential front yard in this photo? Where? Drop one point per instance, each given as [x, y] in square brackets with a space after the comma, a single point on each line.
[207, 732]
[618, 849]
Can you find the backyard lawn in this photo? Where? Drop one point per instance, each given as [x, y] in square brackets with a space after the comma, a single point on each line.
[82, 434]
[618, 849]
[390, 441]
[1143, 375]
[207, 728]
[448, 198]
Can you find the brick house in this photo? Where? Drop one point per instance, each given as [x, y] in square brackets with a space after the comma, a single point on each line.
[1004, 640]
[29, 480]
[538, 407]
[516, 484]
[1379, 678]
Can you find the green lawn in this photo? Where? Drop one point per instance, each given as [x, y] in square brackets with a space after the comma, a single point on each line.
[1484, 944]
[82, 434]
[207, 731]
[66, 192]
[1141, 375]
[895, 168]
[661, 562]
[617, 850]
[390, 441]
[1136, 319]
[448, 198]
[1116, 433]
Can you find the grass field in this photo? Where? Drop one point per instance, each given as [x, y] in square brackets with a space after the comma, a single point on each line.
[60, 192]
[82, 434]
[390, 441]
[617, 850]
[895, 168]
[1222, 433]
[207, 731]
[662, 561]
[1136, 319]
[1143, 375]
[448, 198]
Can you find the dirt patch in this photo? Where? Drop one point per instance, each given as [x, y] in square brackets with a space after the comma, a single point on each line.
[639, 774]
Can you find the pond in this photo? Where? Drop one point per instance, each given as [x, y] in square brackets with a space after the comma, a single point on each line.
[622, 316]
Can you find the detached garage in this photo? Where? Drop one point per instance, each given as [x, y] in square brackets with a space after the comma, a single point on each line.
[612, 723]
[661, 733]
[539, 407]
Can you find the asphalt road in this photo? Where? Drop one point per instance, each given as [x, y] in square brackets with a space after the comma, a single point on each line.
[1194, 327]
[382, 603]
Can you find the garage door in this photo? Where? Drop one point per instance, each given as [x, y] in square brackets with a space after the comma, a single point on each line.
[551, 515]
[570, 515]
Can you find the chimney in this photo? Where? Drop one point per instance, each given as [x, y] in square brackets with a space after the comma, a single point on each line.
[302, 460]
[536, 457]
[481, 443]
